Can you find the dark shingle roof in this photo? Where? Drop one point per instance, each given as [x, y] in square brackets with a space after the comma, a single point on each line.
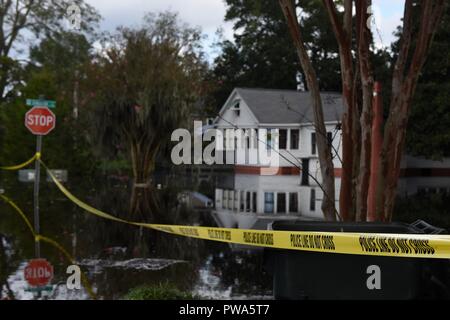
[289, 106]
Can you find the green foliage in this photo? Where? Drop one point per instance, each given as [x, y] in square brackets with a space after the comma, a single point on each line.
[163, 291]
[263, 54]
[432, 208]
[55, 62]
[151, 78]
[55, 65]
[27, 19]
[429, 124]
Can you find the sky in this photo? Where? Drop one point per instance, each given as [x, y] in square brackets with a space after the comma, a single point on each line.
[209, 15]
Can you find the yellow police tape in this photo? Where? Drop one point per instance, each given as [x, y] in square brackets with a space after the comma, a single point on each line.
[391, 245]
[39, 237]
[37, 156]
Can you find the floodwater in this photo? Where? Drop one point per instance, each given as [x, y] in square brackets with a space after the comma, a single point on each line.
[209, 270]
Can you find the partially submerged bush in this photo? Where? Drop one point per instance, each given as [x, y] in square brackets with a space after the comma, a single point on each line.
[433, 208]
[162, 291]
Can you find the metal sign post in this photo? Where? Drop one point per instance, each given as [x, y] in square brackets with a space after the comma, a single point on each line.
[40, 121]
[37, 176]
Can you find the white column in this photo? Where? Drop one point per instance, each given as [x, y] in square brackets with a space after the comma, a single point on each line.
[238, 197]
[275, 202]
[287, 202]
[231, 200]
[288, 139]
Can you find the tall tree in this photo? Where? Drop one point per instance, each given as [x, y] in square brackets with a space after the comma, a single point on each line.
[262, 54]
[22, 21]
[37, 17]
[150, 78]
[50, 72]
[357, 132]
[63, 58]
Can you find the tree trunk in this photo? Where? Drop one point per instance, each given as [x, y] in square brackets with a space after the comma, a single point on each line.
[377, 140]
[356, 135]
[343, 33]
[325, 159]
[356, 138]
[144, 203]
[404, 82]
[366, 114]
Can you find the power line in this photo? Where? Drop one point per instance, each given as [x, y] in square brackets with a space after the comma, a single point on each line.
[295, 165]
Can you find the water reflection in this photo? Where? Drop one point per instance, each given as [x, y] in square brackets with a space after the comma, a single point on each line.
[117, 257]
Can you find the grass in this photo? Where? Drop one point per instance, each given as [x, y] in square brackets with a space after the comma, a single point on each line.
[162, 291]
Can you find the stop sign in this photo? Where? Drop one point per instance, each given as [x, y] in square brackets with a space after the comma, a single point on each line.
[40, 120]
[38, 272]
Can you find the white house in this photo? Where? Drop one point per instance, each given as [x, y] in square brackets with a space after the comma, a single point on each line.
[292, 190]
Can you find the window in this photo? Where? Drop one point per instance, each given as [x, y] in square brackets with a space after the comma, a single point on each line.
[295, 139]
[254, 202]
[330, 138]
[421, 190]
[225, 199]
[313, 143]
[242, 201]
[281, 202]
[268, 202]
[269, 139]
[247, 201]
[293, 202]
[305, 172]
[283, 139]
[237, 108]
[312, 203]
[224, 149]
[254, 138]
[231, 196]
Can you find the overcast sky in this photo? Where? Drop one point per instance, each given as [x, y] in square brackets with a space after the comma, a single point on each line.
[209, 15]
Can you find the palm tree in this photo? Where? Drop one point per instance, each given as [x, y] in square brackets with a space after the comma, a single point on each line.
[147, 79]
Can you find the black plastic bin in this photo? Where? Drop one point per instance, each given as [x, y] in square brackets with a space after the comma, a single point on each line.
[314, 275]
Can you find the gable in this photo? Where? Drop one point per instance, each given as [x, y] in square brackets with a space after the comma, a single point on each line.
[229, 116]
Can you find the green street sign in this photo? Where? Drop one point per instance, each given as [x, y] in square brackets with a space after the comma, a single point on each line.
[41, 103]
[39, 289]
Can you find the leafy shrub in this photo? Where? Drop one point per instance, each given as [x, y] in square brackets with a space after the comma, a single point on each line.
[163, 291]
[432, 208]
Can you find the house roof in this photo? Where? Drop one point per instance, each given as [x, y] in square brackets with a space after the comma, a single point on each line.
[289, 106]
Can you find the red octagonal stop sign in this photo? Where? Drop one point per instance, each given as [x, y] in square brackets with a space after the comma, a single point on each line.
[40, 120]
[38, 272]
